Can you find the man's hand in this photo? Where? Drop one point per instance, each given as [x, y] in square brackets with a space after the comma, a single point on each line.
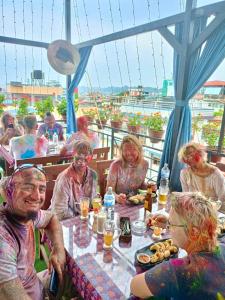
[121, 198]
[57, 261]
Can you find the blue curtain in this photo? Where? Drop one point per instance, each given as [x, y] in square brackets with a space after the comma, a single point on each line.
[202, 63]
[71, 116]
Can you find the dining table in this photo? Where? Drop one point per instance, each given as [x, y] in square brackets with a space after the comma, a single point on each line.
[98, 273]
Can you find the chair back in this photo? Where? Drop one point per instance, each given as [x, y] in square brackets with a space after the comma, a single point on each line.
[42, 160]
[102, 171]
[100, 153]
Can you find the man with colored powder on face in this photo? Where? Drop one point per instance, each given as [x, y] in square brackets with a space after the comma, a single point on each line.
[74, 183]
[50, 127]
[25, 195]
[192, 223]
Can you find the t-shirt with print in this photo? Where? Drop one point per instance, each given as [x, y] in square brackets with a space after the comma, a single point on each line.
[46, 131]
[127, 179]
[92, 138]
[28, 146]
[17, 251]
[199, 276]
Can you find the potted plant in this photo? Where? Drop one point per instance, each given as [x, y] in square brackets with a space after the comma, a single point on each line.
[2, 105]
[61, 108]
[210, 134]
[197, 122]
[89, 113]
[43, 106]
[116, 119]
[155, 123]
[22, 110]
[134, 123]
[102, 117]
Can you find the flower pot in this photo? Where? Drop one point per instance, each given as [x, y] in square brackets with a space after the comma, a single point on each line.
[155, 135]
[64, 118]
[116, 124]
[134, 128]
[99, 124]
[89, 119]
[214, 157]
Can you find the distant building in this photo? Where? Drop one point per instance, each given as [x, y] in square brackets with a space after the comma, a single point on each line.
[33, 93]
[167, 88]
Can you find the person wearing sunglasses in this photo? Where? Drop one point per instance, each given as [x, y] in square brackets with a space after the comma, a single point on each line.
[77, 181]
[24, 195]
[200, 176]
[192, 224]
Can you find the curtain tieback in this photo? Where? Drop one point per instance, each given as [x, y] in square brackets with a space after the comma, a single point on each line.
[181, 103]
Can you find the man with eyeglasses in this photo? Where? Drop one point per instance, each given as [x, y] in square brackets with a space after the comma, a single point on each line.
[201, 274]
[24, 194]
[77, 181]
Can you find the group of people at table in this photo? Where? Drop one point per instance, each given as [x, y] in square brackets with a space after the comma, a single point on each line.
[192, 222]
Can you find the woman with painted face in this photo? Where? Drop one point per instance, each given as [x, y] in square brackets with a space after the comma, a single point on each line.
[127, 173]
[200, 176]
[9, 128]
[76, 182]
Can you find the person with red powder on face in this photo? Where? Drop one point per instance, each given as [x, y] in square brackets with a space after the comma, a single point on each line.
[83, 134]
[200, 176]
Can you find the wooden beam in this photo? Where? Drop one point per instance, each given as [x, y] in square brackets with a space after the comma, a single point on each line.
[170, 38]
[207, 32]
[5, 39]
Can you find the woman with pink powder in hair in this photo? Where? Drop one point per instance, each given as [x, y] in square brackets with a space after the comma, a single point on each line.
[192, 223]
[200, 176]
[83, 134]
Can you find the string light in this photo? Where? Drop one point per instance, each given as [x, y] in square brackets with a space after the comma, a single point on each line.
[117, 54]
[15, 47]
[124, 44]
[24, 36]
[93, 53]
[106, 57]
[161, 52]
[137, 48]
[75, 7]
[3, 30]
[153, 49]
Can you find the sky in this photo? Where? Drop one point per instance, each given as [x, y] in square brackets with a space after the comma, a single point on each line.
[144, 60]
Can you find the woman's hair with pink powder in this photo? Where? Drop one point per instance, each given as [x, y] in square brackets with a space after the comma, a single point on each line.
[195, 210]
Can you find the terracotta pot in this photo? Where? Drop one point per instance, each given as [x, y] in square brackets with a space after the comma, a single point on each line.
[99, 124]
[134, 128]
[64, 118]
[155, 135]
[116, 124]
[215, 158]
[89, 118]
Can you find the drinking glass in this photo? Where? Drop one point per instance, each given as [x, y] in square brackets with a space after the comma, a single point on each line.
[84, 208]
[157, 232]
[109, 231]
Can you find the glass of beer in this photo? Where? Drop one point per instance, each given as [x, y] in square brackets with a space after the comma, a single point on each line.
[97, 203]
[163, 198]
[84, 208]
[108, 234]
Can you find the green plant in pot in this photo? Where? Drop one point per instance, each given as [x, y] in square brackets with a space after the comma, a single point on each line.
[211, 138]
[61, 108]
[2, 99]
[116, 119]
[22, 108]
[197, 122]
[134, 123]
[155, 123]
[44, 106]
[102, 117]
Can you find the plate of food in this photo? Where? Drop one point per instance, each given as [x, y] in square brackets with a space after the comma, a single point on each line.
[136, 199]
[155, 253]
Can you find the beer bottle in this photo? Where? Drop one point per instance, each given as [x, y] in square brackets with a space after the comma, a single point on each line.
[148, 199]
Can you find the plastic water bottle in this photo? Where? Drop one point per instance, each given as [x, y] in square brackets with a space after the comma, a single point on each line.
[55, 141]
[109, 203]
[165, 172]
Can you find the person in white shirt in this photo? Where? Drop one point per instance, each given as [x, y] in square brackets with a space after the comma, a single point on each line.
[29, 145]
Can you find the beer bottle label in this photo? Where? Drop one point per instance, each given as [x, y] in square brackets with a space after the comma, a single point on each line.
[146, 205]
